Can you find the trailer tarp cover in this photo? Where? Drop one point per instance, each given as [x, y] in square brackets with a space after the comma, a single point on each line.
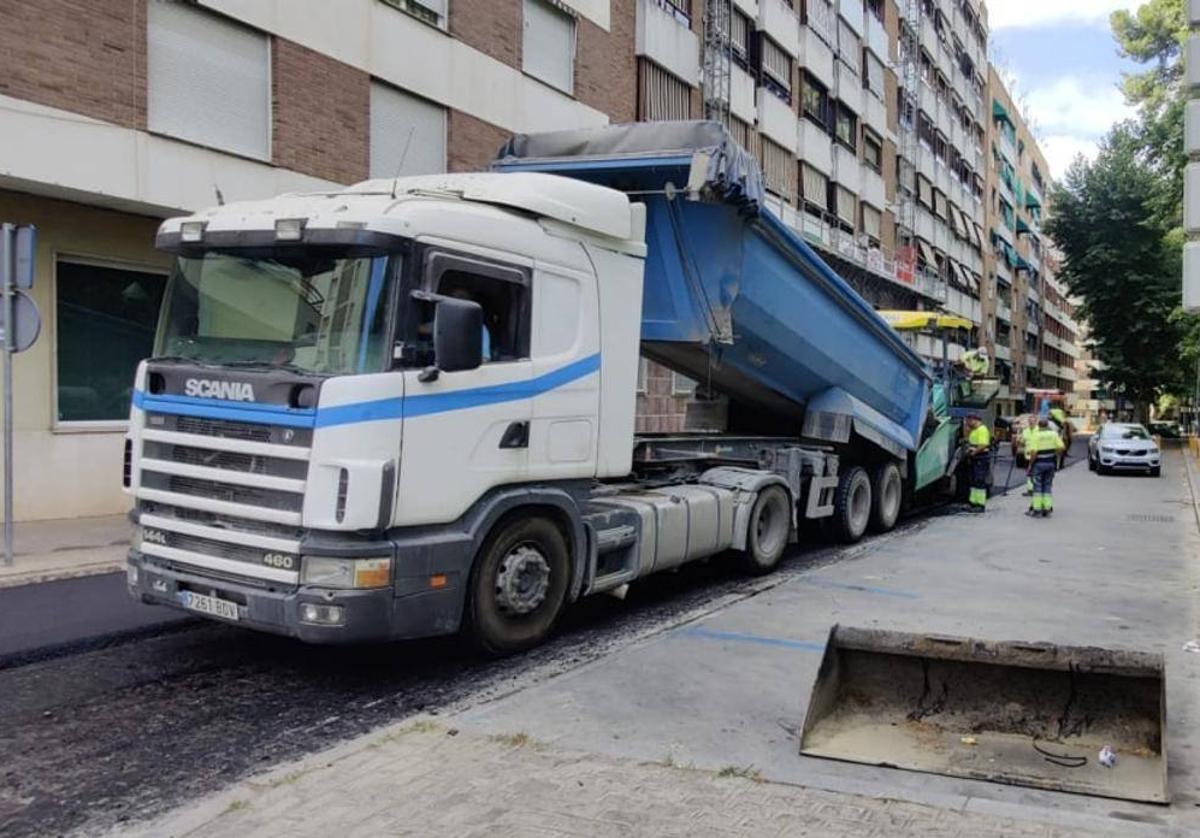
[733, 173]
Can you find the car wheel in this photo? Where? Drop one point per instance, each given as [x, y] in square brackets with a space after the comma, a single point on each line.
[1091, 463]
[518, 587]
[1156, 471]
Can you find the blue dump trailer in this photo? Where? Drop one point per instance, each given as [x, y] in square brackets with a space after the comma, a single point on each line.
[738, 301]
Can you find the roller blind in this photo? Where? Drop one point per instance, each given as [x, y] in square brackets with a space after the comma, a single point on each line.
[874, 75]
[778, 170]
[660, 94]
[924, 191]
[408, 134]
[849, 46]
[846, 205]
[777, 63]
[208, 80]
[548, 47]
[815, 186]
[872, 221]
[820, 17]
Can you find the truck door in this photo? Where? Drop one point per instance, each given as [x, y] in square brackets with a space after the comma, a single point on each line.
[465, 432]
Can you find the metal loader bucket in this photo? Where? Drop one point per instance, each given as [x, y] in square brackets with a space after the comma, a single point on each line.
[1030, 714]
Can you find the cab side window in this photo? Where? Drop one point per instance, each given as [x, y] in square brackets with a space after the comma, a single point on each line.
[502, 292]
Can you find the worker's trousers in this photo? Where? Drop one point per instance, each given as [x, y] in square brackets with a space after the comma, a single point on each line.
[1043, 471]
[981, 469]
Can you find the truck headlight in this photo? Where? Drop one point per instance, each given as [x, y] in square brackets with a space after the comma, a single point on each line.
[326, 572]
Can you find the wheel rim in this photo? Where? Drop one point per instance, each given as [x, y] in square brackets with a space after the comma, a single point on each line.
[522, 580]
[770, 530]
[860, 506]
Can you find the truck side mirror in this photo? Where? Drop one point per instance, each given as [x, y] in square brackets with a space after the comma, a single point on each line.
[458, 335]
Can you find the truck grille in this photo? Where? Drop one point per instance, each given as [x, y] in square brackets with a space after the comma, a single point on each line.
[223, 495]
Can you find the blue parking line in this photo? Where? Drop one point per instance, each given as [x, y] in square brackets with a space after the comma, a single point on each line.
[738, 637]
[866, 589]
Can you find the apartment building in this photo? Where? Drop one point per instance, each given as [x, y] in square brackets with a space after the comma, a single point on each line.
[1028, 323]
[118, 113]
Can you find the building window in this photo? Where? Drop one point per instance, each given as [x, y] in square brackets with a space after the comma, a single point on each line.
[681, 385]
[872, 223]
[106, 318]
[739, 36]
[777, 163]
[814, 189]
[873, 150]
[208, 80]
[548, 47]
[681, 10]
[849, 47]
[660, 94]
[816, 102]
[740, 131]
[845, 206]
[846, 130]
[408, 134]
[873, 77]
[820, 17]
[432, 12]
[924, 192]
[777, 69]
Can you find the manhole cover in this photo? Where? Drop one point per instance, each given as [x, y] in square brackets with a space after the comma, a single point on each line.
[1151, 519]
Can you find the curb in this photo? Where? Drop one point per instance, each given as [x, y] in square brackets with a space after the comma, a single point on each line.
[35, 577]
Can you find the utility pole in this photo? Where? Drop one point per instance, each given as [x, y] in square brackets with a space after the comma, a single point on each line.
[21, 324]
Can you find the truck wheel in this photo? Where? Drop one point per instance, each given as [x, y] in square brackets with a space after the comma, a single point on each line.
[768, 531]
[887, 492]
[851, 506]
[518, 586]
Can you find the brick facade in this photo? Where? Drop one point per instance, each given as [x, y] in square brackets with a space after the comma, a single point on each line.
[88, 60]
[605, 65]
[471, 143]
[659, 409]
[492, 27]
[322, 112]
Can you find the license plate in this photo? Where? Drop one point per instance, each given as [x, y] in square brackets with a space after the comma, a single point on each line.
[209, 605]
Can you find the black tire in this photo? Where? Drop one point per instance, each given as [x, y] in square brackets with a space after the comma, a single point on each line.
[768, 532]
[1091, 463]
[851, 506]
[496, 627]
[887, 496]
[1156, 472]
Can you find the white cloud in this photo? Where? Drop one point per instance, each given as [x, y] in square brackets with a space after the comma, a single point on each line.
[1061, 150]
[1007, 14]
[1068, 105]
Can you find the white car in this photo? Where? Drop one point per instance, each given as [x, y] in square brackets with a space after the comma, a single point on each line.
[1119, 446]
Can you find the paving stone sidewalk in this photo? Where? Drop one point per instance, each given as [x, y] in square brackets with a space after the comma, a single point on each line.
[427, 779]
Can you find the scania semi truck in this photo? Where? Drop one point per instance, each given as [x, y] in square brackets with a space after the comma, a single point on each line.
[407, 408]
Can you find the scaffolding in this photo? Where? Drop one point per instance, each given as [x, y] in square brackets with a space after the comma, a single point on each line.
[717, 82]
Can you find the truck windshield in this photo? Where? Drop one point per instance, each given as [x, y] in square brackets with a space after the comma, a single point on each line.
[320, 313]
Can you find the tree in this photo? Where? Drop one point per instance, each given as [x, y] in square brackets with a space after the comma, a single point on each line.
[1118, 261]
[1156, 36]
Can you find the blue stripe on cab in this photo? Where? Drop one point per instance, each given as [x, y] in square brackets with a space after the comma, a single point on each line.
[372, 411]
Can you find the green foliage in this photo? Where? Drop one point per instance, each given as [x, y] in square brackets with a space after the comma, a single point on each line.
[1155, 35]
[1119, 260]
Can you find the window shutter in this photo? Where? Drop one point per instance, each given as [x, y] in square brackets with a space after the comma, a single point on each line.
[846, 205]
[820, 17]
[408, 134]
[849, 47]
[778, 169]
[548, 48]
[872, 221]
[924, 191]
[208, 80]
[662, 96]
[777, 63]
[874, 75]
[814, 185]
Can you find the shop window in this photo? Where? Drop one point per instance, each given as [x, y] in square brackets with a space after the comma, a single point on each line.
[106, 319]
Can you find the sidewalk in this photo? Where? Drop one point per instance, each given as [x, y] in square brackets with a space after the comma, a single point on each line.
[428, 779]
[66, 548]
[694, 731]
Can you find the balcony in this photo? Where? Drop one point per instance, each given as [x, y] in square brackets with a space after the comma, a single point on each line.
[847, 171]
[741, 96]
[779, 21]
[877, 39]
[1003, 353]
[660, 37]
[1005, 144]
[816, 55]
[816, 147]
[776, 120]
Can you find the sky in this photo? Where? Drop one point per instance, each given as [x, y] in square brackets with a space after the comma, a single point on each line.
[1063, 67]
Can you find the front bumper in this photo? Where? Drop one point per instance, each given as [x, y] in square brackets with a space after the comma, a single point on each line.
[1130, 462]
[368, 615]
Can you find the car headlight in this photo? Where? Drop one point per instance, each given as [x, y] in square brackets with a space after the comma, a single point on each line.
[326, 572]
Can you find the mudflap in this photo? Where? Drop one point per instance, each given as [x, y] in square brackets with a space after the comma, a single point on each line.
[1028, 714]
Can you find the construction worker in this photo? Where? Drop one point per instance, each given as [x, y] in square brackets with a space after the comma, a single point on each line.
[1044, 449]
[979, 442]
[975, 361]
[1026, 435]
